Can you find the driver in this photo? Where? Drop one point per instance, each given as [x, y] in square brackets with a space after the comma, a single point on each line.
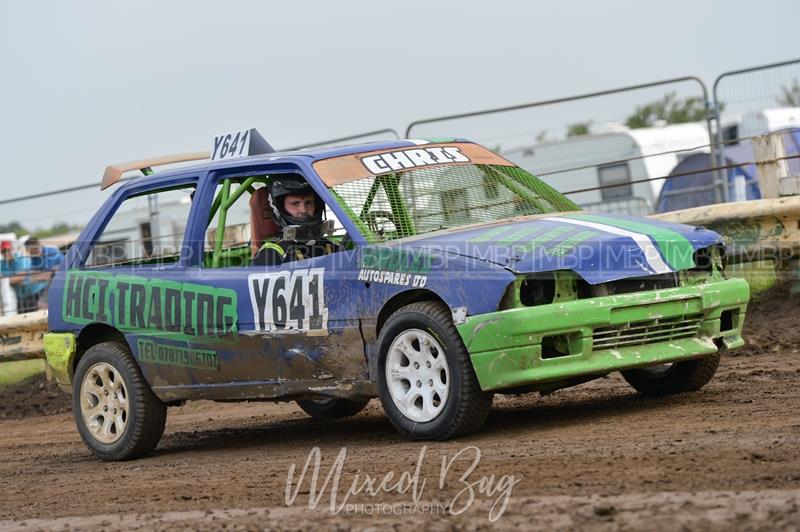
[300, 212]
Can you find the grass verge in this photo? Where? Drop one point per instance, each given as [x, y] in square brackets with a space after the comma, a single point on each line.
[19, 370]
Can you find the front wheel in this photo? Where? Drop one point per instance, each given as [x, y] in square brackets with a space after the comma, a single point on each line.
[678, 377]
[427, 385]
[117, 414]
[331, 408]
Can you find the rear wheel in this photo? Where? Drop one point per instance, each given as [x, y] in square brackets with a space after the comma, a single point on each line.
[117, 414]
[678, 377]
[331, 408]
[427, 385]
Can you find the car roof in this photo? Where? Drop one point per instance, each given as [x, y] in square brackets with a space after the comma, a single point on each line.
[290, 156]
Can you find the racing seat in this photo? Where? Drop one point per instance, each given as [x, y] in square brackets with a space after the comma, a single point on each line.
[262, 226]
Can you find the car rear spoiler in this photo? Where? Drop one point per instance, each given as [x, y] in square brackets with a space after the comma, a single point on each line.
[114, 172]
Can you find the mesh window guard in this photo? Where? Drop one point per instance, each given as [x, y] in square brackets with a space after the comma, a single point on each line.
[443, 197]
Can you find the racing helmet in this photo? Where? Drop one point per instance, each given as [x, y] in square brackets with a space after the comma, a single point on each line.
[293, 184]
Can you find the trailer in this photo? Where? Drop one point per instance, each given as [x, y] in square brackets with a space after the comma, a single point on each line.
[613, 159]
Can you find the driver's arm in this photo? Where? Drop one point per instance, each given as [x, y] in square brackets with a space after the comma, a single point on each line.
[270, 254]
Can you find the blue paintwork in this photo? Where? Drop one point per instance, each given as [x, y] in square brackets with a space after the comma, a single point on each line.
[462, 274]
[602, 258]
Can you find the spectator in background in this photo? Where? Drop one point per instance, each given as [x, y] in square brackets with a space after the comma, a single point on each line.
[7, 261]
[8, 299]
[32, 273]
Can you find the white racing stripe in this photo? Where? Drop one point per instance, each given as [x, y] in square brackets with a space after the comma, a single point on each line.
[651, 253]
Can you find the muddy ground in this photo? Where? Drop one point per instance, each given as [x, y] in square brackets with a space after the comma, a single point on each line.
[594, 457]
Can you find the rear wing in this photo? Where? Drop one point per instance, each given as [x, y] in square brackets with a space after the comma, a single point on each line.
[114, 172]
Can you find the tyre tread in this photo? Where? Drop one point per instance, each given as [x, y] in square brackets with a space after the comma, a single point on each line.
[146, 432]
[687, 376]
[475, 403]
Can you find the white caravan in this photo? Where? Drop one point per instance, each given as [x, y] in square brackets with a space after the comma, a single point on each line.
[737, 126]
[616, 156]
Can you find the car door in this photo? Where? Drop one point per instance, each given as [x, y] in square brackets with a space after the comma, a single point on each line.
[296, 325]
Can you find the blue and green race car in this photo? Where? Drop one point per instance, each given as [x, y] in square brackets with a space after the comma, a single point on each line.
[455, 275]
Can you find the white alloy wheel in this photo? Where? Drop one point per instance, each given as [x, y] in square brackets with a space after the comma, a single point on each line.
[104, 403]
[417, 375]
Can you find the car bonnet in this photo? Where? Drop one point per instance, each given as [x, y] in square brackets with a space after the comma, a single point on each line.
[598, 247]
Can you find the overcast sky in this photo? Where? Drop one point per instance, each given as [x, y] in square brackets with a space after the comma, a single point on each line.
[88, 83]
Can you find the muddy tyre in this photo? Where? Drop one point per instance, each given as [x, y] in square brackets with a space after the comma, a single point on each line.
[426, 382]
[117, 414]
[331, 408]
[668, 379]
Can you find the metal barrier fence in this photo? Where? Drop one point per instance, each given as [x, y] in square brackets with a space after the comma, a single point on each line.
[752, 101]
[745, 103]
[580, 144]
[378, 134]
[740, 94]
[608, 166]
[91, 196]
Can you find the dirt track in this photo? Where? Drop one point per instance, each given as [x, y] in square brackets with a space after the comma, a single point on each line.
[597, 456]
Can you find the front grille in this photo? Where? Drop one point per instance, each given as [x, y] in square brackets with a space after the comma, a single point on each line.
[646, 332]
[630, 285]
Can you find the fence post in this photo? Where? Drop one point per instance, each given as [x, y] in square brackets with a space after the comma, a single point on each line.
[720, 152]
[21, 336]
[772, 168]
[715, 144]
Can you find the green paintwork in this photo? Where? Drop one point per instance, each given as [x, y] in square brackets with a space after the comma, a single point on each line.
[237, 257]
[440, 139]
[404, 222]
[542, 239]
[521, 190]
[489, 234]
[566, 246]
[170, 355]
[59, 350]
[555, 198]
[520, 234]
[676, 249]
[170, 309]
[359, 222]
[506, 346]
[223, 215]
[566, 289]
[223, 201]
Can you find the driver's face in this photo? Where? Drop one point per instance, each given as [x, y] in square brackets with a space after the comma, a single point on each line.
[299, 206]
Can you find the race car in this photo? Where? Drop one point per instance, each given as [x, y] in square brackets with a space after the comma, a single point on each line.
[456, 275]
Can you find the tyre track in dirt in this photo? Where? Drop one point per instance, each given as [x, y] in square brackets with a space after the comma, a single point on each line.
[597, 456]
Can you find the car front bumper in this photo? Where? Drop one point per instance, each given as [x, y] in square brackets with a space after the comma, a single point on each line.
[515, 347]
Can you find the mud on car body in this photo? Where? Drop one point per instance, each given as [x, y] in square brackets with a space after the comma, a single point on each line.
[459, 275]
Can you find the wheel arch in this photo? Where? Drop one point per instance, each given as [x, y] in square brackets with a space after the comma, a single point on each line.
[93, 334]
[402, 299]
